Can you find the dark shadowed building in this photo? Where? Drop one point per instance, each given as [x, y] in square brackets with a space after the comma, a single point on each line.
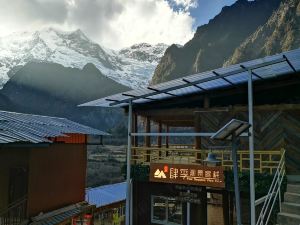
[42, 167]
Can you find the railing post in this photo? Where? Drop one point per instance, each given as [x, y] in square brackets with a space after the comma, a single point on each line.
[279, 197]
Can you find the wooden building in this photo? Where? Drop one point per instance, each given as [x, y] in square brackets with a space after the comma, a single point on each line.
[180, 116]
[42, 165]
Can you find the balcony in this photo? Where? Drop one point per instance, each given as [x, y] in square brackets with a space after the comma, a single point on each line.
[265, 161]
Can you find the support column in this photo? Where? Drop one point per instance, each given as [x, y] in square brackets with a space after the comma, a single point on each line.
[251, 149]
[147, 138]
[134, 140]
[128, 161]
[231, 208]
[147, 130]
[159, 137]
[198, 213]
[197, 129]
[226, 210]
[206, 102]
[236, 181]
[101, 140]
[135, 130]
[167, 137]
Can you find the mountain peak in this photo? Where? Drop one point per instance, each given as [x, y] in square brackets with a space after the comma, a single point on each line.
[80, 34]
[132, 67]
[145, 52]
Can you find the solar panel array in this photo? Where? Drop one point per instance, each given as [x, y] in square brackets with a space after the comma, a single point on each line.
[19, 127]
[261, 69]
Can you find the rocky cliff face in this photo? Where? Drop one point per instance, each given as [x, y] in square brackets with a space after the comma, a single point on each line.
[280, 33]
[214, 43]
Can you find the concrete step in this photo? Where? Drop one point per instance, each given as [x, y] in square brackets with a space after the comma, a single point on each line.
[292, 197]
[292, 208]
[288, 219]
[293, 188]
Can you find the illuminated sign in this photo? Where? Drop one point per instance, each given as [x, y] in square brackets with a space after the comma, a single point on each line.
[187, 174]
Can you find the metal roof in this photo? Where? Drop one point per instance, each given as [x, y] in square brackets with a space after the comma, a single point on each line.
[262, 69]
[19, 127]
[60, 215]
[106, 195]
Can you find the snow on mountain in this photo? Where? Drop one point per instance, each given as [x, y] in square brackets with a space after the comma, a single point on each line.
[131, 66]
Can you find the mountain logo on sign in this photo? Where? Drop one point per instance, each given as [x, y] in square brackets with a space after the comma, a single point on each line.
[159, 174]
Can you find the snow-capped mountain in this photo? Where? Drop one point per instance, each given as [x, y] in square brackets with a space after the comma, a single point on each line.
[131, 66]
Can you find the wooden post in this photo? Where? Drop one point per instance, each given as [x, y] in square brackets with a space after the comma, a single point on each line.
[167, 137]
[135, 130]
[231, 208]
[206, 102]
[197, 128]
[147, 130]
[101, 139]
[134, 140]
[225, 201]
[147, 138]
[199, 212]
[159, 131]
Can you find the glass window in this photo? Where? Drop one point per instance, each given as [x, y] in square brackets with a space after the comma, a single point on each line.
[166, 211]
[159, 212]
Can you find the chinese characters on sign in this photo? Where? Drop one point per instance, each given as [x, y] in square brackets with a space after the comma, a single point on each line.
[187, 174]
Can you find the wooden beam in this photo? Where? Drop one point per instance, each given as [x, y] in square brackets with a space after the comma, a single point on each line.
[173, 118]
[159, 138]
[189, 112]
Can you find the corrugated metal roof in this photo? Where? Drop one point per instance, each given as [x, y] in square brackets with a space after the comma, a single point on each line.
[60, 215]
[264, 68]
[20, 127]
[106, 195]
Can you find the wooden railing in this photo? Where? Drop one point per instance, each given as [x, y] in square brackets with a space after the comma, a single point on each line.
[265, 161]
[15, 213]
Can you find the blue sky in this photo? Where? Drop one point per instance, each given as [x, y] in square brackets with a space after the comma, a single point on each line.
[206, 10]
[201, 10]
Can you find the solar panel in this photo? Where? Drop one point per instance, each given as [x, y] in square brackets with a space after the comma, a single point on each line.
[264, 68]
[199, 76]
[185, 90]
[239, 77]
[274, 70]
[167, 85]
